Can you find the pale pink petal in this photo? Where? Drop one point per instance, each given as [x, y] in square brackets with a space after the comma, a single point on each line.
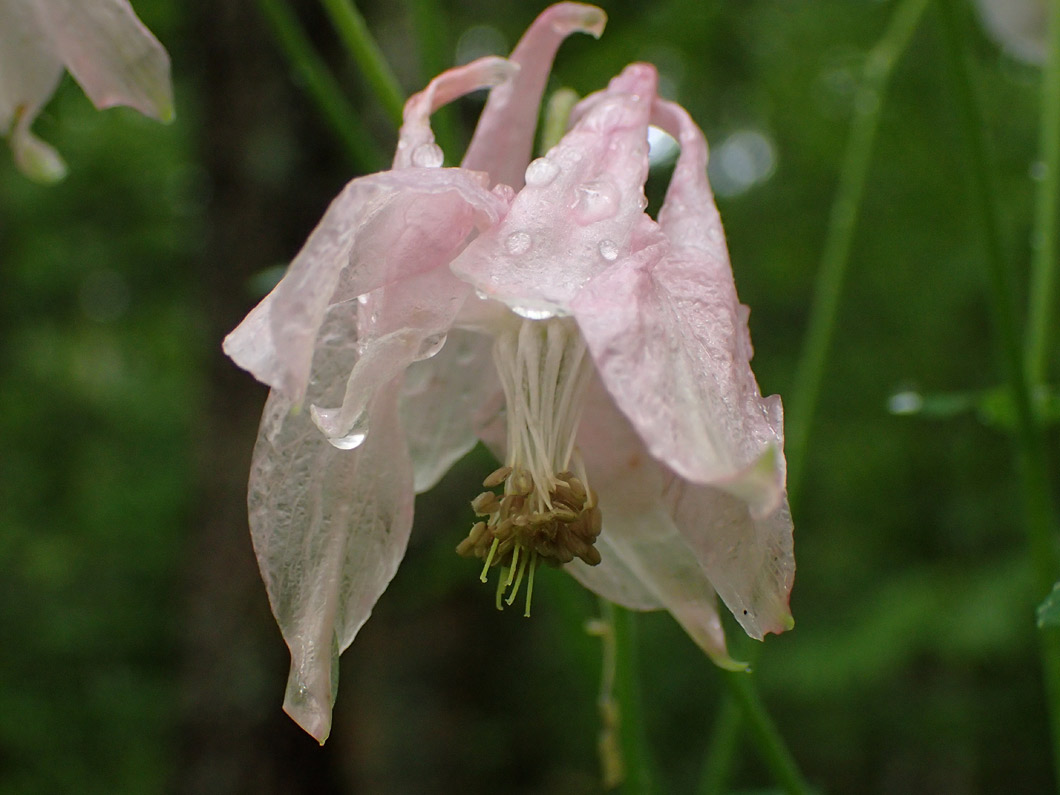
[380, 229]
[416, 145]
[646, 562]
[398, 324]
[115, 59]
[580, 207]
[29, 73]
[330, 527]
[669, 337]
[504, 137]
[441, 398]
[29, 70]
[749, 561]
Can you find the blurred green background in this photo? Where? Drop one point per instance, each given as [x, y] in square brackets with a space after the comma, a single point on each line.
[137, 652]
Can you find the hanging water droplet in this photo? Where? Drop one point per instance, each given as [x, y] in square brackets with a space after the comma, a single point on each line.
[534, 312]
[609, 250]
[326, 420]
[428, 156]
[518, 243]
[596, 200]
[541, 172]
[429, 346]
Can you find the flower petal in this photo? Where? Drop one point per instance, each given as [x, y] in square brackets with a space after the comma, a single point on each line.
[441, 398]
[645, 562]
[111, 54]
[416, 145]
[504, 136]
[670, 339]
[749, 561]
[34, 158]
[379, 230]
[330, 528]
[579, 209]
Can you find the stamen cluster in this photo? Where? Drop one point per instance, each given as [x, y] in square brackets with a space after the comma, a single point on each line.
[521, 529]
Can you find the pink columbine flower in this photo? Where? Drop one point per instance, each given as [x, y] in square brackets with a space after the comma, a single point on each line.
[107, 49]
[603, 356]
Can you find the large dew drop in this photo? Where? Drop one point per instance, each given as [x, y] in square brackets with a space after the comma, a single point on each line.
[609, 250]
[596, 201]
[429, 346]
[428, 156]
[541, 172]
[325, 420]
[518, 243]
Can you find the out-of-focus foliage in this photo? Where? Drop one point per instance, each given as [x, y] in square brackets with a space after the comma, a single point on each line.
[912, 667]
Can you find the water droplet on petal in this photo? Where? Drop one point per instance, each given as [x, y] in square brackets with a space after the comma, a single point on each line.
[362, 299]
[429, 346]
[353, 438]
[534, 312]
[541, 172]
[518, 243]
[596, 200]
[428, 156]
[609, 250]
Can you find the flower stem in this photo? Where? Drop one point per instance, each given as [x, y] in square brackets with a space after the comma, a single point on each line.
[361, 149]
[835, 257]
[636, 758]
[1033, 470]
[353, 31]
[724, 741]
[767, 738]
[1046, 253]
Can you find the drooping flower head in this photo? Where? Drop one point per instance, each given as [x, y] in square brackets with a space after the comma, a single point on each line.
[601, 354]
[105, 47]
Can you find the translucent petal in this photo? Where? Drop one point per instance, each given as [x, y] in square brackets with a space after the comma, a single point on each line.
[579, 212]
[441, 398]
[111, 54]
[504, 137]
[646, 564]
[329, 528]
[670, 340]
[29, 69]
[381, 229]
[749, 561]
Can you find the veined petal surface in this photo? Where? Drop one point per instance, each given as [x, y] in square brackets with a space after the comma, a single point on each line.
[579, 209]
[111, 54]
[380, 229]
[330, 527]
[670, 339]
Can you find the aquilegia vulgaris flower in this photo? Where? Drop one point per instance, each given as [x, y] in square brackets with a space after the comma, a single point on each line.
[107, 49]
[601, 354]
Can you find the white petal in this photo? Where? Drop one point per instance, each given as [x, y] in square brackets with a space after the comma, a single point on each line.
[111, 54]
[329, 528]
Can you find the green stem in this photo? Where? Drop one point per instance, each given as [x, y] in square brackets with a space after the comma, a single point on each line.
[763, 731]
[434, 40]
[722, 749]
[835, 257]
[1046, 253]
[1033, 470]
[361, 150]
[353, 31]
[634, 741]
